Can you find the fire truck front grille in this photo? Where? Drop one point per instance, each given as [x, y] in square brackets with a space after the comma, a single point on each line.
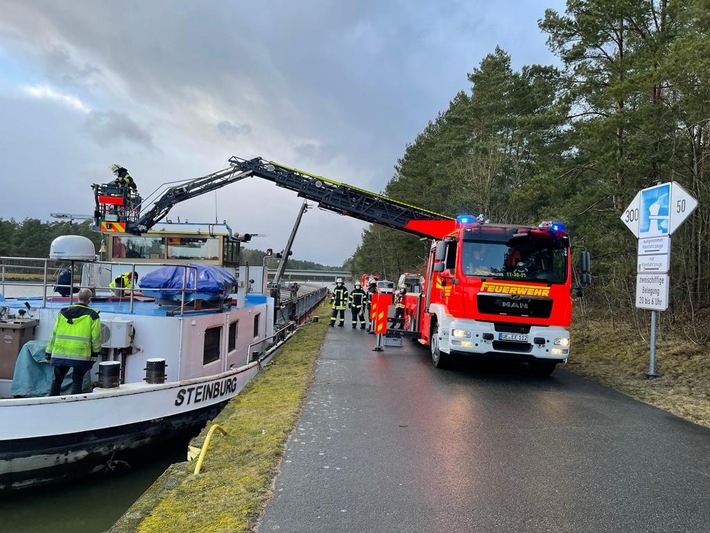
[513, 305]
[506, 327]
[518, 347]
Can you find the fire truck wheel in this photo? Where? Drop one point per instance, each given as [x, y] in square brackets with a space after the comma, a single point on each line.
[437, 358]
[542, 368]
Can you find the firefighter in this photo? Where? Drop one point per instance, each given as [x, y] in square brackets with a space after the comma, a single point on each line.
[338, 301]
[123, 283]
[75, 343]
[123, 178]
[371, 290]
[398, 319]
[356, 303]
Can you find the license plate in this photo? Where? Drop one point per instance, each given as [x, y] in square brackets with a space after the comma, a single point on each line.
[515, 337]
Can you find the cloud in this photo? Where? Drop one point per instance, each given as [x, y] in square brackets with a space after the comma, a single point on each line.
[64, 69]
[231, 131]
[44, 92]
[107, 128]
[316, 152]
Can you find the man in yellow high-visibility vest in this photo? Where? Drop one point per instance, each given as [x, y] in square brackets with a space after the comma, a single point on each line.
[75, 343]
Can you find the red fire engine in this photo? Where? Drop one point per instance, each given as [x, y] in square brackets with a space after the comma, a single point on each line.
[501, 291]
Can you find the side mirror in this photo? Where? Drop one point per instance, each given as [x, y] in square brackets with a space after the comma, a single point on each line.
[585, 262]
[438, 267]
[440, 253]
[585, 267]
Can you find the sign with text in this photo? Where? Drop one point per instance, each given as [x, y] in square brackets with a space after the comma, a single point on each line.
[655, 245]
[652, 291]
[658, 210]
[654, 254]
[653, 263]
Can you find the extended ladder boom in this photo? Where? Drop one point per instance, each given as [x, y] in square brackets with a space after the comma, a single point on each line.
[328, 194]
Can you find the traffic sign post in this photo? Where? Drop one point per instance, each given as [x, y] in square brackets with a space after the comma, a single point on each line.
[652, 216]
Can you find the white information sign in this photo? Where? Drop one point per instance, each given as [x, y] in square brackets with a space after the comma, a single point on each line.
[654, 263]
[652, 291]
[654, 254]
[655, 245]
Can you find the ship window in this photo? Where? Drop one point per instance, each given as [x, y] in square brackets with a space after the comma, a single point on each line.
[231, 252]
[213, 337]
[256, 325]
[193, 248]
[133, 247]
[233, 335]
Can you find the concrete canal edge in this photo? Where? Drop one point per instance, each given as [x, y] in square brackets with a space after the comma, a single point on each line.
[236, 476]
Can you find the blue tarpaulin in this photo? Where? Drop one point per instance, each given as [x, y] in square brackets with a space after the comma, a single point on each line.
[211, 282]
[33, 376]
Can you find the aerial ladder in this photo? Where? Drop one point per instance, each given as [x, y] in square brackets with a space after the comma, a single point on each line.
[120, 210]
[114, 212]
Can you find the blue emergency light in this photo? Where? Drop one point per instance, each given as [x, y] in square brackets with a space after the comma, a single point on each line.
[552, 226]
[465, 219]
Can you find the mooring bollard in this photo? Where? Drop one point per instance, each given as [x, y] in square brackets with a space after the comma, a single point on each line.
[155, 371]
[109, 374]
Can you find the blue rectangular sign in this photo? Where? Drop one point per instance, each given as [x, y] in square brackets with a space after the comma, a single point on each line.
[654, 211]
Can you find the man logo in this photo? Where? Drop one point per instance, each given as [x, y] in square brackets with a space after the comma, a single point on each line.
[514, 305]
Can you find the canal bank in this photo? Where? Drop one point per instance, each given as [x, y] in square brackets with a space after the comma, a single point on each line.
[235, 478]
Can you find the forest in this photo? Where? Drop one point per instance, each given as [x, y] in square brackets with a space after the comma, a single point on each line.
[627, 107]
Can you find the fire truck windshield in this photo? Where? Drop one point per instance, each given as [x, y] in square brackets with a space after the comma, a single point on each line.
[523, 259]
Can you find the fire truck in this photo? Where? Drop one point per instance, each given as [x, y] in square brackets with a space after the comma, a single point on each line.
[489, 290]
[367, 278]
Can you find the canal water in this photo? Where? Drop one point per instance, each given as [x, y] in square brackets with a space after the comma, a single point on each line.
[92, 505]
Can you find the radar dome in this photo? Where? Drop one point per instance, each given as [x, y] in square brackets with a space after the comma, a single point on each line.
[72, 248]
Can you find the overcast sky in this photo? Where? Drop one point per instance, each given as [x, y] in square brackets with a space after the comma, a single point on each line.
[172, 89]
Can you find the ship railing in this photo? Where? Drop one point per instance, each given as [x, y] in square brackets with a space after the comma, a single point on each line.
[298, 306]
[25, 272]
[304, 305]
[133, 290]
[279, 336]
[33, 275]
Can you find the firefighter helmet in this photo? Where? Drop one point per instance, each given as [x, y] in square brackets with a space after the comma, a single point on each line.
[339, 280]
[357, 284]
[115, 167]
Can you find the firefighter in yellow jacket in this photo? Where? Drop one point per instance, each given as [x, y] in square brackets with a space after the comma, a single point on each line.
[123, 283]
[338, 301]
[75, 343]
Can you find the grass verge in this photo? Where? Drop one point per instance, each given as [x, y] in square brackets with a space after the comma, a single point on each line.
[615, 355]
[236, 477]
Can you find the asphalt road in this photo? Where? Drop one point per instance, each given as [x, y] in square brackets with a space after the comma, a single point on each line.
[388, 443]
